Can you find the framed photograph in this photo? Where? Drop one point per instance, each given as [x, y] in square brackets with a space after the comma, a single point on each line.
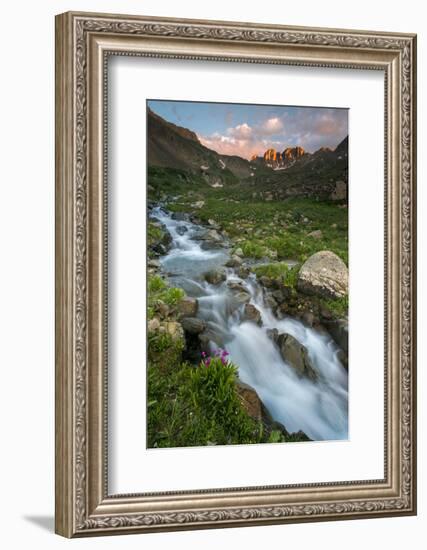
[235, 274]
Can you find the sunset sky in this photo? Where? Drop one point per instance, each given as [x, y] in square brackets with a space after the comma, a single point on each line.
[245, 130]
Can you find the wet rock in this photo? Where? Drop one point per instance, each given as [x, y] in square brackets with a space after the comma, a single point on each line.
[269, 301]
[296, 355]
[281, 295]
[216, 277]
[338, 329]
[343, 358]
[241, 297]
[208, 336]
[188, 307]
[234, 261]
[273, 334]
[308, 318]
[181, 216]
[243, 272]
[193, 325]
[324, 274]
[237, 286]
[250, 400]
[181, 229]
[266, 282]
[239, 252]
[252, 314]
[210, 245]
[159, 249]
[213, 235]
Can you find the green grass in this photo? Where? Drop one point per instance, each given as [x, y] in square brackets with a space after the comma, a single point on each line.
[262, 228]
[337, 306]
[189, 406]
[158, 289]
[154, 234]
[278, 270]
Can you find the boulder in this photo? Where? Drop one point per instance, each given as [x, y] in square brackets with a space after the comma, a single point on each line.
[296, 355]
[216, 277]
[234, 261]
[188, 307]
[198, 204]
[193, 325]
[324, 274]
[249, 400]
[252, 314]
[239, 252]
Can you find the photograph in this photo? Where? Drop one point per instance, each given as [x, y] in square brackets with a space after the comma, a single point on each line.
[247, 273]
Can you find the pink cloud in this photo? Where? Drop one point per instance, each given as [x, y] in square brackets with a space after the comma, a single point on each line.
[272, 126]
[241, 131]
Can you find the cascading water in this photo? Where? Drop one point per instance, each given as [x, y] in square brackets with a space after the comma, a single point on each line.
[318, 408]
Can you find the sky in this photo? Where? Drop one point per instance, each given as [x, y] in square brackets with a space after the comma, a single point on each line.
[246, 130]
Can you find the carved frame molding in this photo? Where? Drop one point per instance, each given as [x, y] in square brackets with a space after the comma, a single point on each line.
[83, 43]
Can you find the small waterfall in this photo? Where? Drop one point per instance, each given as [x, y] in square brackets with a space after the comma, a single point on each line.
[318, 408]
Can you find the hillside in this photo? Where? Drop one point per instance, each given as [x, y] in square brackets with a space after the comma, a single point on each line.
[171, 146]
[274, 175]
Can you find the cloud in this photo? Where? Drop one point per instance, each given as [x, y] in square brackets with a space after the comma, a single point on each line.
[311, 128]
[241, 131]
[272, 126]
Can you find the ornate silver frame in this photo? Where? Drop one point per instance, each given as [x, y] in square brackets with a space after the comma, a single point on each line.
[83, 42]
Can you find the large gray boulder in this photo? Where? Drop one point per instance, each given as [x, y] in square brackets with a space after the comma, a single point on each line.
[296, 355]
[324, 274]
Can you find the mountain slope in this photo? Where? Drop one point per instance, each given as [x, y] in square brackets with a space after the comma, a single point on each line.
[173, 146]
[322, 174]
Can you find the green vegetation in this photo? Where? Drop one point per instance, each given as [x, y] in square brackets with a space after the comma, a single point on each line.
[269, 229]
[279, 270]
[198, 405]
[154, 234]
[338, 306]
[191, 405]
[160, 291]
